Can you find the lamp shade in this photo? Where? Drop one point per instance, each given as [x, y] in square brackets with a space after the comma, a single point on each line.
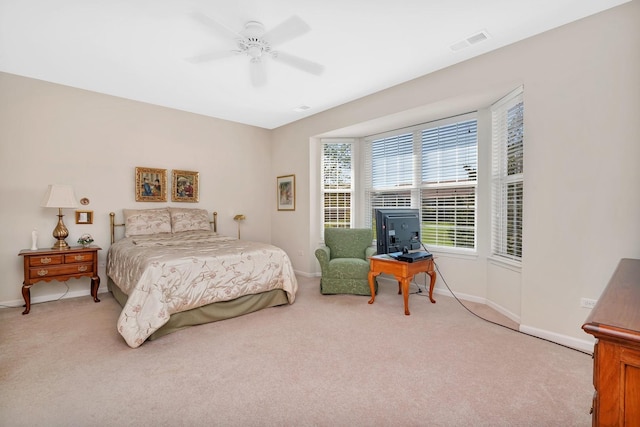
[59, 196]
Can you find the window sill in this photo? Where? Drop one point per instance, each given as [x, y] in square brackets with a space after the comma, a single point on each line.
[470, 255]
[506, 263]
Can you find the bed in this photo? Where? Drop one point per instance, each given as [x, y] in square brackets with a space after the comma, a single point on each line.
[172, 270]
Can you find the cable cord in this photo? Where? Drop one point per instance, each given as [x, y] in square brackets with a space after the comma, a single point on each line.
[491, 321]
[57, 299]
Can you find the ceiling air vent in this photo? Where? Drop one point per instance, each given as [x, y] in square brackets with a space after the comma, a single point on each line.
[469, 41]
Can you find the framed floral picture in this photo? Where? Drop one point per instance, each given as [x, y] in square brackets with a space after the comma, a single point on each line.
[151, 185]
[286, 189]
[184, 186]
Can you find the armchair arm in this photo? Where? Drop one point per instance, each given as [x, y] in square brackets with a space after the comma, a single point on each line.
[370, 251]
[324, 255]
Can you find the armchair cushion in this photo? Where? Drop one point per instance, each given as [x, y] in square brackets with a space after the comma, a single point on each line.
[348, 268]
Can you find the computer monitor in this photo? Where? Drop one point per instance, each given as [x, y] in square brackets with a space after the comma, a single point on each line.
[397, 230]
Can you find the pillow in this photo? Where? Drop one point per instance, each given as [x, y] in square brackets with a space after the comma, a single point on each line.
[138, 222]
[186, 219]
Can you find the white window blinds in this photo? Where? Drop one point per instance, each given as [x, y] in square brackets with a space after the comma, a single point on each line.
[337, 184]
[449, 217]
[449, 153]
[392, 161]
[507, 176]
[449, 176]
[432, 167]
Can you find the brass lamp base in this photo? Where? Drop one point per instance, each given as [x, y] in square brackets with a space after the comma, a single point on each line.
[60, 233]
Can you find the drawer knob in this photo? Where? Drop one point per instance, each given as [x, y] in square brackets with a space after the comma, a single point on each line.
[83, 268]
[43, 272]
[45, 260]
[79, 257]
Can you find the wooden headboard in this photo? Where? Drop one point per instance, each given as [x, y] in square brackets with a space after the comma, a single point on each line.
[113, 225]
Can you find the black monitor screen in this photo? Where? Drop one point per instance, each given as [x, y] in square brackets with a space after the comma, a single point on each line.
[397, 230]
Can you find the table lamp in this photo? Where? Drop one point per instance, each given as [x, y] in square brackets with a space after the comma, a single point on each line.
[239, 218]
[61, 197]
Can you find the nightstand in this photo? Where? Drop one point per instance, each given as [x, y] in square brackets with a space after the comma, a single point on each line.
[60, 265]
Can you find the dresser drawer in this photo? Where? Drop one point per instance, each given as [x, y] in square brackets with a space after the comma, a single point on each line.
[59, 270]
[79, 257]
[45, 260]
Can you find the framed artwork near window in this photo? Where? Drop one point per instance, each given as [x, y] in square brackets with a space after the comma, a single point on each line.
[151, 185]
[286, 189]
[185, 186]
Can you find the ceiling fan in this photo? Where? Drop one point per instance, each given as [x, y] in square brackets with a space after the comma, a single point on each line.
[258, 44]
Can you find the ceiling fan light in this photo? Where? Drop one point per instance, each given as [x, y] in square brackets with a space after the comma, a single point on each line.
[254, 51]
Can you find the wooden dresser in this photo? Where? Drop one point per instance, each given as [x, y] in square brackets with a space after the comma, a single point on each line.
[59, 264]
[615, 323]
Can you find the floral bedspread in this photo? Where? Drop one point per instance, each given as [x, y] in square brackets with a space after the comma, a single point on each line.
[168, 273]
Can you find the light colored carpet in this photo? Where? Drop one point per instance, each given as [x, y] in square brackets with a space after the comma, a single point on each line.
[323, 361]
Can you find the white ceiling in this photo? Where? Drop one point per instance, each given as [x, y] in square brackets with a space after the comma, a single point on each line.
[138, 49]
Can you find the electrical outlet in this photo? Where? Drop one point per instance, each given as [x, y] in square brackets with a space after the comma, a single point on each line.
[587, 302]
[300, 253]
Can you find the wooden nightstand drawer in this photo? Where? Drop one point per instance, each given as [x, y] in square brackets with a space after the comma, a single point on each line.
[78, 257]
[59, 270]
[45, 260]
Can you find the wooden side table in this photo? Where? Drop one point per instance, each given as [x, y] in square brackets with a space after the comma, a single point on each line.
[61, 265]
[403, 272]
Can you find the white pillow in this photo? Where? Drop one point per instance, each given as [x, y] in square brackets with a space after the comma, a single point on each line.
[188, 219]
[138, 222]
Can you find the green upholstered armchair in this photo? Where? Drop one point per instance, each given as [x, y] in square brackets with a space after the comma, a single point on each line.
[344, 261]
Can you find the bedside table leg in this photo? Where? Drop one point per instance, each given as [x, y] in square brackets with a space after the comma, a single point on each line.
[26, 294]
[95, 284]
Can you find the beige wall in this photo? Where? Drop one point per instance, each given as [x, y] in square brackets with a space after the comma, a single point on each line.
[55, 134]
[582, 103]
[582, 204]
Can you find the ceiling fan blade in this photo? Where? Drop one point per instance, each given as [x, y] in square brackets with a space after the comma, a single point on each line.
[210, 56]
[287, 30]
[258, 72]
[299, 63]
[217, 27]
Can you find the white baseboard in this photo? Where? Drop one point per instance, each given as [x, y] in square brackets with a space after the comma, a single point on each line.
[466, 297]
[568, 341]
[578, 344]
[47, 298]
[305, 274]
[473, 298]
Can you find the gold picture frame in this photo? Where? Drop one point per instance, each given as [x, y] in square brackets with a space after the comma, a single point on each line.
[84, 217]
[185, 186]
[286, 192]
[151, 185]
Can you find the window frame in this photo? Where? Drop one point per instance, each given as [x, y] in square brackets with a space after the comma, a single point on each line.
[506, 231]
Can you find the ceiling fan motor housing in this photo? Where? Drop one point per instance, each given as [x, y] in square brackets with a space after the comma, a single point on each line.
[253, 45]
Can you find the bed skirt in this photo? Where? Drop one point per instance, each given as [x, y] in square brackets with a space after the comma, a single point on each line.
[212, 312]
